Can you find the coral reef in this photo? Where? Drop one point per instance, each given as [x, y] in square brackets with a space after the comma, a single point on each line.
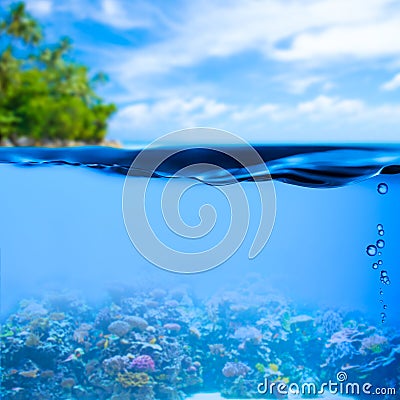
[248, 334]
[143, 363]
[119, 328]
[133, 379]
[234, 369]
[173, 327]
[136, 323]
[167, 345]
[116, 364]
[374, 344]
[331, 322]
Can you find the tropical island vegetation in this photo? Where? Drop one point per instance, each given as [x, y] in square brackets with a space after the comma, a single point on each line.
[45, 97]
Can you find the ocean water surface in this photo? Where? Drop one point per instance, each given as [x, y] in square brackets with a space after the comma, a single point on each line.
[85, 316]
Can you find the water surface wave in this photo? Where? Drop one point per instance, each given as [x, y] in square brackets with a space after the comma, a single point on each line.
[309, 166]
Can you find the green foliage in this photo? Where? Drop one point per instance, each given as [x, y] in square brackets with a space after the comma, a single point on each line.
[43, 95]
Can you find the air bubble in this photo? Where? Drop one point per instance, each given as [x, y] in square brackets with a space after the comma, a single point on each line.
[381, 232]
[379, 253]
[380, 262]
[379, 227]
[385, 278]
[374, 266]
[385, 306]
[380, 243]
[383, 188]
[371, 250]
[381, 292]
[383, 315]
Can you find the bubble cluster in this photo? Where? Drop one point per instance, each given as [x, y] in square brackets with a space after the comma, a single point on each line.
[375, 249]
[385, 277]
[383, 316]
[383, 188]
[380, 229]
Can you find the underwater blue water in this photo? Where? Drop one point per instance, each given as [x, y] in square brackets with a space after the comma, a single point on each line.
[62, 230]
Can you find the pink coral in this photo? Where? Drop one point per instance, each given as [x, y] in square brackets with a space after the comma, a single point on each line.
[143, 363]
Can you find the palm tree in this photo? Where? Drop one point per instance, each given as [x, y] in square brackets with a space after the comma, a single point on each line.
[43, 94]
[9, 67]
[21, 25]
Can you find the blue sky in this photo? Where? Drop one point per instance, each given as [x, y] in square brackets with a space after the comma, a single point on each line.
[269, 71]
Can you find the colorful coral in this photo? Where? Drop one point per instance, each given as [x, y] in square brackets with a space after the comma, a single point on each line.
[115, 364]
[133, 379]
[147, 347]
[375, 344]
[143, 363]
[234, 369]
[82, 333]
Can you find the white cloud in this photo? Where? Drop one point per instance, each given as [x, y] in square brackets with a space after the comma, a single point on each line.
[322, 113]
[124, 16]
[248, 113]
[324, 105]
[369, 40]
[40, 7]
[385, 112]
[173, 112]
[328, 86]
[112, 13]
[315, 30]
[393, 84]
[300, 85]
[321, 107]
